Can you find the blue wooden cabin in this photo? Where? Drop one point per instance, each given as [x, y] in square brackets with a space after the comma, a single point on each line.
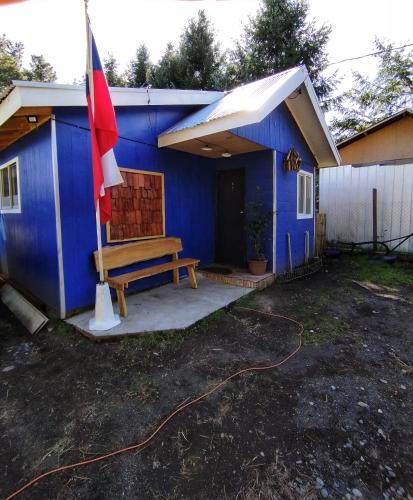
[213, 152]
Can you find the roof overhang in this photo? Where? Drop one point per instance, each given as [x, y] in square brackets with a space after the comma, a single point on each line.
[250, 104]
[25, 98]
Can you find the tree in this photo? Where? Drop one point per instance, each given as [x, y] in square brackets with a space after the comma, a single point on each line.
[196, 64]
[168, 72]
[110, 66]
[11, 55]
[200, 55]
[138, 72]
[279, 37]
[40, 70]
[371, 100]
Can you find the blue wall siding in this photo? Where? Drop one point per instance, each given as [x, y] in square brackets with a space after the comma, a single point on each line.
[189, 192]
[28, 240]
[280, 132]
[258, 177]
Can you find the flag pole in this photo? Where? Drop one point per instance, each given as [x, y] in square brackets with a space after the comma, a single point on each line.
[99, 241]
[104, 317]
[98, 224]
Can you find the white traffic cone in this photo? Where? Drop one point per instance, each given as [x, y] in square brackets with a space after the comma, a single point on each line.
[104, 318]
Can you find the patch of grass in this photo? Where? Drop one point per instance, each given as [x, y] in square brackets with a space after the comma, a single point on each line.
[144, 389]
[322, 330]
[380, 273]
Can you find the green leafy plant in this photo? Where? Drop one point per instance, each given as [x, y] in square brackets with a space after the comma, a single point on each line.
[258, 221]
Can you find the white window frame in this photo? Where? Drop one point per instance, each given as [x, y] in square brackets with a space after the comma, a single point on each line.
[17, 209]
[303, 173]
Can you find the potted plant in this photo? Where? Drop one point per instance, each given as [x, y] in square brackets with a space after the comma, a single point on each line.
[258, 221]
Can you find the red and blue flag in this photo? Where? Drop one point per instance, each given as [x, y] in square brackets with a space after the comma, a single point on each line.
[103, 130]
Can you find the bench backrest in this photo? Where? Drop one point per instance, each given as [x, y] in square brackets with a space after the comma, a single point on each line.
[139, 251]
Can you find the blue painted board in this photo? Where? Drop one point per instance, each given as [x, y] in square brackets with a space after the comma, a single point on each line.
[28, 239]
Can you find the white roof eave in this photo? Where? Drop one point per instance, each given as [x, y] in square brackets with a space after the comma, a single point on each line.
[36, 94]
[318, 137]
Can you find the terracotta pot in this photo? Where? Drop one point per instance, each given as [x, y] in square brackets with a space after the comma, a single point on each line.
[257, 267]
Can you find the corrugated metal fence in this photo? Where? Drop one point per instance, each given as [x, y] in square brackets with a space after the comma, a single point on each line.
[346, 199]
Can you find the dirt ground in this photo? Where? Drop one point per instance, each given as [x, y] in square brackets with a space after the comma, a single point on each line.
[334, 422]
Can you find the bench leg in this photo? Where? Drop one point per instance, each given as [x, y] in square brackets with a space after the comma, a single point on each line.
[176, 276]
[192, 276]
[175, 271]
[123, 309]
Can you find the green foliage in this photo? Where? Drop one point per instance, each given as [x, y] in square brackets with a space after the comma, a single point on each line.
[39, 71]
[168, 72]
[110, 66]
[11, 55]
[279, 37]
[369, 101]
[196, 64]
[381, 273]
[139, 70]
[258, 221]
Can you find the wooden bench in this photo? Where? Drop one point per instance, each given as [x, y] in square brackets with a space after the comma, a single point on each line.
[132, 253]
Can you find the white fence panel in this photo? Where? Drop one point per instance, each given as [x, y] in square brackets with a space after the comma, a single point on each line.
[346, 198]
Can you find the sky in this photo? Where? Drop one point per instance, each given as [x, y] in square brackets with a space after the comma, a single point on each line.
[56, 28]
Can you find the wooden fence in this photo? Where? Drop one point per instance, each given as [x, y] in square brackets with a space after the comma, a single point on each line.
[320, 233]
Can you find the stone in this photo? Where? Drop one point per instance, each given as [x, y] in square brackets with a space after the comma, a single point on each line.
[362, 404]
[357, 493]
[319, 483]
[383, 381]
[324, 493]
[381, 433]
[403, 387]
[8, 368]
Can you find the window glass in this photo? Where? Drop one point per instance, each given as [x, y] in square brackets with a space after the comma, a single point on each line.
[301, 194]
[305, 195]
[308, 193]
[14, 185]
[5, 188]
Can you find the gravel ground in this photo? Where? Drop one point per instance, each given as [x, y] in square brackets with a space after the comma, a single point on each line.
[334, 422]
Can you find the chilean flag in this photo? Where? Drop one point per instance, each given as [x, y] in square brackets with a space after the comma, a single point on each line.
[103, 130]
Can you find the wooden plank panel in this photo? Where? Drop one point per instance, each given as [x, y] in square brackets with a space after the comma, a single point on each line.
[123, 255]
[137, 207]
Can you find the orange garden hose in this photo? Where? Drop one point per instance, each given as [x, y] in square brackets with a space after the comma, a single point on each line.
[180, 408]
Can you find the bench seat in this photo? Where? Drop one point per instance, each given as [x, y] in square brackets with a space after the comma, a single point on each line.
[123, 280]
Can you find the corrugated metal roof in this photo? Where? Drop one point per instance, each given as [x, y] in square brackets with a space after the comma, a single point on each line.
[249, 97]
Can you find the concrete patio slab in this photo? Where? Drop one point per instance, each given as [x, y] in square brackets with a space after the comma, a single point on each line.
[168, 307]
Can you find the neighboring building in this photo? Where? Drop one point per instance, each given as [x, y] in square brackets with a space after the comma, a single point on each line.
[192, 160]
[380, 157]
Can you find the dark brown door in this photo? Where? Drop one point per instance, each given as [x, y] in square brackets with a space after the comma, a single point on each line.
[230, 243]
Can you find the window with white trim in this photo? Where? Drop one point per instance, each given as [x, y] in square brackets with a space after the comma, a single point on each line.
[304, 195]
[10, 187]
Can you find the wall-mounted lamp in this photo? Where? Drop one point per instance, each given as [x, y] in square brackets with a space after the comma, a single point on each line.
[226, 154]
[206, 148]
[32, 119]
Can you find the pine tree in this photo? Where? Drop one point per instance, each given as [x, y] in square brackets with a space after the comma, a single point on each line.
[196, 64]
[40, 70]
[110, 66]
[11, 55]
[371, 100]
[279, 37]
[139, 70]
